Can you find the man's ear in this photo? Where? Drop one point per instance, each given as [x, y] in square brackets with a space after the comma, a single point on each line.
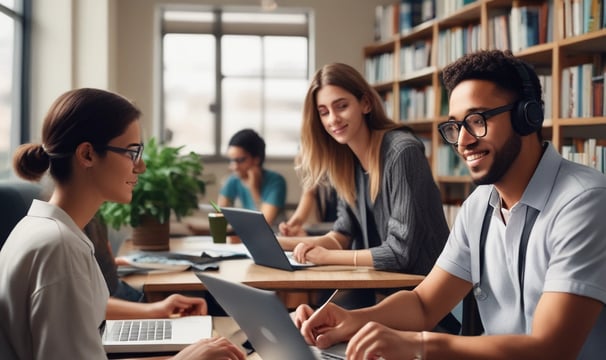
[84, 154]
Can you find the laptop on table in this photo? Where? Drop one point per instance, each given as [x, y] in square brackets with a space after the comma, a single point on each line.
[155, 335]
[260, 240]
[266, 322]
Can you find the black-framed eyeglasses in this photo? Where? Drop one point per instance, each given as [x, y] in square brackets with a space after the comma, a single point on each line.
[134, 152]
[474, 123]
[238, 160]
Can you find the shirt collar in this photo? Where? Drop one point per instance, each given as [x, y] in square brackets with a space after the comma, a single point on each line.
[542, 181]
[44, 209]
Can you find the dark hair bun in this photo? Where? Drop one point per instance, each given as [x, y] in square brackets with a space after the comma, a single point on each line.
[31, 161]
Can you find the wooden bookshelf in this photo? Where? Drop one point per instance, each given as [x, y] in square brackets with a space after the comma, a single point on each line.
[552, 45]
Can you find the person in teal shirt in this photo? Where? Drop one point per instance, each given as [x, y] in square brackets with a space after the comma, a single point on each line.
[255, 187]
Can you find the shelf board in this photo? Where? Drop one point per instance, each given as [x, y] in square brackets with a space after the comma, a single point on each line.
[422, 125]
[419, 32]
[380, 47]
[589, 42]
[582, 121]
[383, 86]
[468, 13]
[538, 54]
[422, 76]
[454, 179]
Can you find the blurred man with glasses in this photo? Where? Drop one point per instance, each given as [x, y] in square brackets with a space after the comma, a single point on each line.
[251, 185]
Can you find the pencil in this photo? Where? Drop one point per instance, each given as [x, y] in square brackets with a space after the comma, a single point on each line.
[329, 300]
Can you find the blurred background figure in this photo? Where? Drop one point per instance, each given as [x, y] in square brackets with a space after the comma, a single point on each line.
[315, 213]
[251, 186]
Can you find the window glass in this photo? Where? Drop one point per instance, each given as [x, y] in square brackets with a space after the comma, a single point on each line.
[283, 109]
[285, 56]
[263, 80]
[241, 55]
[241, 107]
[7, 49]
[8, 3]
[189, 91]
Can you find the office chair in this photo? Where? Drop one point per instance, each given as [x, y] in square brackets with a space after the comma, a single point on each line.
[15, 199]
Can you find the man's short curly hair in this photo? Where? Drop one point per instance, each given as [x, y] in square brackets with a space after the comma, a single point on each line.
[495, 66]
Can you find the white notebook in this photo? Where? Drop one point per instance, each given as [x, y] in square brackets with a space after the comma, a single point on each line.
[155, 335]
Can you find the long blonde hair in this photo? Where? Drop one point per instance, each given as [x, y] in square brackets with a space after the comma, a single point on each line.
[321, 156]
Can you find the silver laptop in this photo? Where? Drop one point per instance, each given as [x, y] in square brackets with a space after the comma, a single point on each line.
[155, 335]
[266, 322]
[260, 240]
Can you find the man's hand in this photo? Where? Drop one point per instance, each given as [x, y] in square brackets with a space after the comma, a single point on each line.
[328, 326]
[376, 341]
[253, 179]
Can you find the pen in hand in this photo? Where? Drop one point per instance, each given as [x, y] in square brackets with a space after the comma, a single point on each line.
[315, 331]
[328, 300]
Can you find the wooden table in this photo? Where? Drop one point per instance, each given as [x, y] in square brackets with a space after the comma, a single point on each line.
[298, 285]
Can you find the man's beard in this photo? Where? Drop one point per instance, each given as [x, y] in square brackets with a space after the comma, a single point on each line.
[502, 161]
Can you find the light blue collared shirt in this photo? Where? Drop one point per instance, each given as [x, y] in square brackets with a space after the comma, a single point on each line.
[566, 248]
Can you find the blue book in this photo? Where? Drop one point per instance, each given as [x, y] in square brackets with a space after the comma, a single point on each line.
[532, 24]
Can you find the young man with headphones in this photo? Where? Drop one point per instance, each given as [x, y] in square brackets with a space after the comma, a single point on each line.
[529, 241]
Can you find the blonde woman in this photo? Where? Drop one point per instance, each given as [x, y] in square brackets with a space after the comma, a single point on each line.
[390, 214]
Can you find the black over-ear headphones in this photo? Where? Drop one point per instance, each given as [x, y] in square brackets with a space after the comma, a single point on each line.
[527, 115]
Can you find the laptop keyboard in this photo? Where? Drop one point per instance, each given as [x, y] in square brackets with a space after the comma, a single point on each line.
[141, 330]
[327, 356]
[333, 354]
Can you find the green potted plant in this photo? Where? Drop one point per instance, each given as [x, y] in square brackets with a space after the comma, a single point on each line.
[170, 185]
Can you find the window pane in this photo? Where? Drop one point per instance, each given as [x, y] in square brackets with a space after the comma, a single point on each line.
[241, 55]
[283, 109]
[241, 107]
[285, 56]
[8, 3]
[7, 48]
[264, 72]
[189, 91]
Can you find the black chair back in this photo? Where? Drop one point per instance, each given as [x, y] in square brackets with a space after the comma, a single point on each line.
[15, 199]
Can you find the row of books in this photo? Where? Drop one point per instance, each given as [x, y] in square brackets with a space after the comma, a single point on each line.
[449, 163]
[457, 41]
[402, 16]
[415, 56]
[417, 103]
[379, 68]
[445, 8]
[530, 25]
[387, 98]
[547, 93]
[583, 91]
[583, 16]
[590, 152]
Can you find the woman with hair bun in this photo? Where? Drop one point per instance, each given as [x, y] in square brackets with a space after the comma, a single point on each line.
[52, 293]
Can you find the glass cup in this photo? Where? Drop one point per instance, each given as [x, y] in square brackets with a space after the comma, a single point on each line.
[218, 227]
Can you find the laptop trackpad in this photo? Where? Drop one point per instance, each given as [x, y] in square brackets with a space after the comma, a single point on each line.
[294, 262]
[336, 352]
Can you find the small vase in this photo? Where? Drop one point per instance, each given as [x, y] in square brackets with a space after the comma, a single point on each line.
[151, 235]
